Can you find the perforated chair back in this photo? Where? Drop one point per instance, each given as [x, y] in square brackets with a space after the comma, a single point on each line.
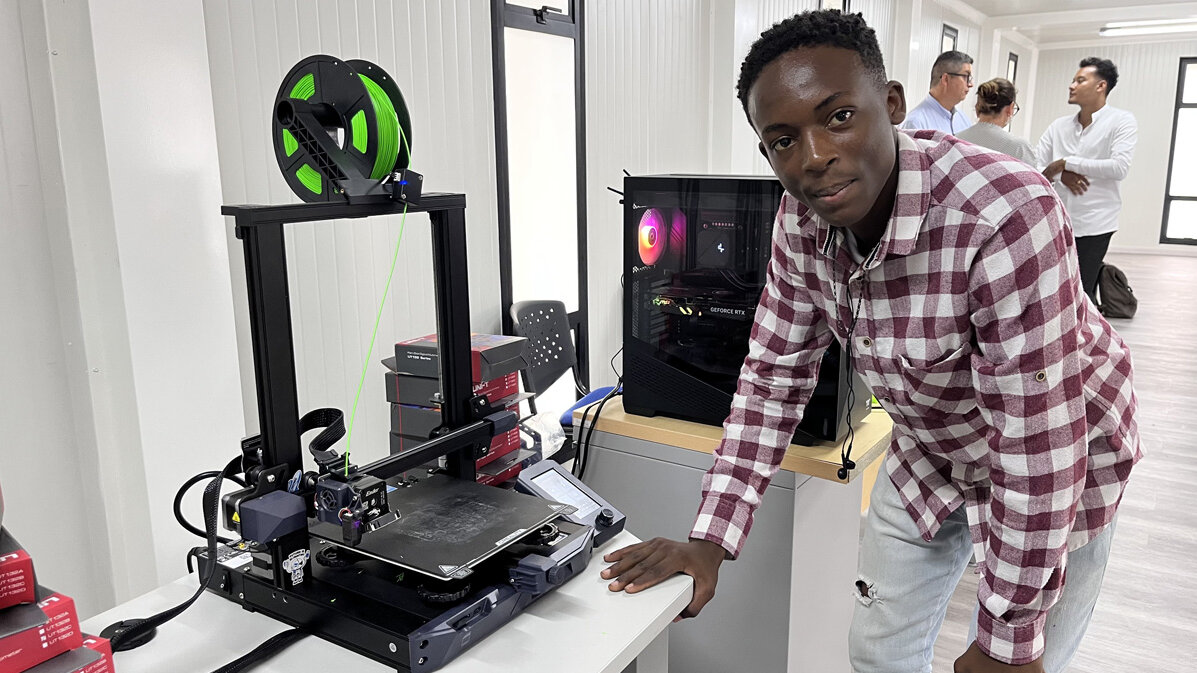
[545, 325]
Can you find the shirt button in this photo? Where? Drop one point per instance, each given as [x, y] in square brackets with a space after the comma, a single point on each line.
[1041, 376]
[866, 342]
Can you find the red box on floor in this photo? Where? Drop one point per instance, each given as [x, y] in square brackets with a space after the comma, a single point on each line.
[17, 584]
[94, 657]
[32, 634]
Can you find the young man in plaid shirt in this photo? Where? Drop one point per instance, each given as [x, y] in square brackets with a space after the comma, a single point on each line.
[949, 274]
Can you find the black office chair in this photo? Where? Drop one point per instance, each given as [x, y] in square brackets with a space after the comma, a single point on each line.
[545, 324]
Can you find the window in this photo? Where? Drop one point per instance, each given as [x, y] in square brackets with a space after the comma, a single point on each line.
[948, 38]
[1012, 67]
[1180, 189]
[842, 5]
[538, 57]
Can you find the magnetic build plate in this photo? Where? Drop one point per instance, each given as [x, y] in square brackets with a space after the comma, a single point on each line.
[447, 526]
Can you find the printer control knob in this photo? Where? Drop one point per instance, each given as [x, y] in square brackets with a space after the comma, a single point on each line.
[605, 518]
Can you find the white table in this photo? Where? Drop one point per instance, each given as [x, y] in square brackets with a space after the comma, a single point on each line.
[581, 627]
[786, 603]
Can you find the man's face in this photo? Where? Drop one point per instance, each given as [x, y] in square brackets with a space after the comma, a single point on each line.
[1086, 87]
[827, 129]
[960, 83]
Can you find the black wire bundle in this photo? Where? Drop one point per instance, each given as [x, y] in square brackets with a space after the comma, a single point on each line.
[126, 635]
[262, 652]
[582, 456]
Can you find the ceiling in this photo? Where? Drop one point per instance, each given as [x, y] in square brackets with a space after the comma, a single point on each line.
[1058, 21]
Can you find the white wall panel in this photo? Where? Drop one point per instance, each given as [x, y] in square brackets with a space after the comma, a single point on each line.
[137, 278]
[879, 14]
[648, 99]
[1147, 88]
[42, 454]
[438, 51]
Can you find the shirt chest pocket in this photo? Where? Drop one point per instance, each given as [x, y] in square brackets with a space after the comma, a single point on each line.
[942, 386]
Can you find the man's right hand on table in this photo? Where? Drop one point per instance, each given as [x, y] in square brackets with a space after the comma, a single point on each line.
[640, 566]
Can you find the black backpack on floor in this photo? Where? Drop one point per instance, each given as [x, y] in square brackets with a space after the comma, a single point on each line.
[1115, 298]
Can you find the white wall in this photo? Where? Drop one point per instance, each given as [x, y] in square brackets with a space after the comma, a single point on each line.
[141, 361]
[1147, 88]
[649, 102]
[49, 491]
[439, 53]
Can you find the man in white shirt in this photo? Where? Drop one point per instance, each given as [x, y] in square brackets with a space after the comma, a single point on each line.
[951, 80]
[1086, 155]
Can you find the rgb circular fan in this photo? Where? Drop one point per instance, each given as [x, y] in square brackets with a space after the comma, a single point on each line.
[651, 236]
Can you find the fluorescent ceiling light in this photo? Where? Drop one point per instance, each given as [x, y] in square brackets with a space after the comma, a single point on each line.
[1150, 22]
[1156, 28]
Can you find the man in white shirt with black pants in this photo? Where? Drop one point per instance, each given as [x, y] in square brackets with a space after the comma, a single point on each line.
[1086, 155]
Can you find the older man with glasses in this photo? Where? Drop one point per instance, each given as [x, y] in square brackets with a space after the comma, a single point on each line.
[951, 80]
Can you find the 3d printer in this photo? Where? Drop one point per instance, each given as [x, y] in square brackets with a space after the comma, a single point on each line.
[407, 572]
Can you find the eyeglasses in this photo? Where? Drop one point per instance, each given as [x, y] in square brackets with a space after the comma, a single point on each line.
[1016, 109]
[965, 75]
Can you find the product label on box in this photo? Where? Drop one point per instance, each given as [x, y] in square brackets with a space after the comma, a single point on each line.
[104, 649]
[61, 626]
[16, 579]
[42, 640]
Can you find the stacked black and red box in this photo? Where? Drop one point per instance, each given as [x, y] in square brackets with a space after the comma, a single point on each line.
[413, 388]
[39, 628]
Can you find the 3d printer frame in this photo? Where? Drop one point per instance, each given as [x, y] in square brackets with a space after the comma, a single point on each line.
[261, 229]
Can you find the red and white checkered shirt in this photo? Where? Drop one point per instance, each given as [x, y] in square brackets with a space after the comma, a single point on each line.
[1010, 394]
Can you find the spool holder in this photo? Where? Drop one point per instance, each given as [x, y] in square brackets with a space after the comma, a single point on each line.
[308, 121]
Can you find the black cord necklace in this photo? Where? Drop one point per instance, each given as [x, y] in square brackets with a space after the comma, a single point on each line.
[846, 462]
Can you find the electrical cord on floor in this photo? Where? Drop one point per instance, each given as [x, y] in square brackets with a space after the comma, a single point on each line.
[179, 503]
[262, 652]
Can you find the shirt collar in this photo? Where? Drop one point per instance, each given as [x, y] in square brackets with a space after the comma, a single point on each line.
[1096, 115]
[912, 201]
[934, 104]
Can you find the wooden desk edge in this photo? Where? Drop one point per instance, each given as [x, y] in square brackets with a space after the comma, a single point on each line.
[821, 460]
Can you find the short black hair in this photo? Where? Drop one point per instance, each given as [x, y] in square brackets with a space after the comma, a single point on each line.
[1105, 69]
[821, 28]
[948, 62]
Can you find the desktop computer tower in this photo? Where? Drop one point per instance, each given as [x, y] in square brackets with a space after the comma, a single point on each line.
[696, 251]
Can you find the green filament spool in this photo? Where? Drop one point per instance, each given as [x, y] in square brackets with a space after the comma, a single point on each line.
[336, 120]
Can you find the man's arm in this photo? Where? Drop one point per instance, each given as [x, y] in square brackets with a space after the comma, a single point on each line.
[779, 374]
[1122, 150]
[1024, 292]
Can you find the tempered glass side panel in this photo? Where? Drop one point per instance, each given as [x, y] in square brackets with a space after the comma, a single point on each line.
[697, 251]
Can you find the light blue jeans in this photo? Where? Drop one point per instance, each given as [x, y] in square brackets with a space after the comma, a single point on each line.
[909, 582]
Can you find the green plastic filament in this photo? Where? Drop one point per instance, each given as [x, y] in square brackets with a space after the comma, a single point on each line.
[388, 130]
[305, 88]
[386, 291]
